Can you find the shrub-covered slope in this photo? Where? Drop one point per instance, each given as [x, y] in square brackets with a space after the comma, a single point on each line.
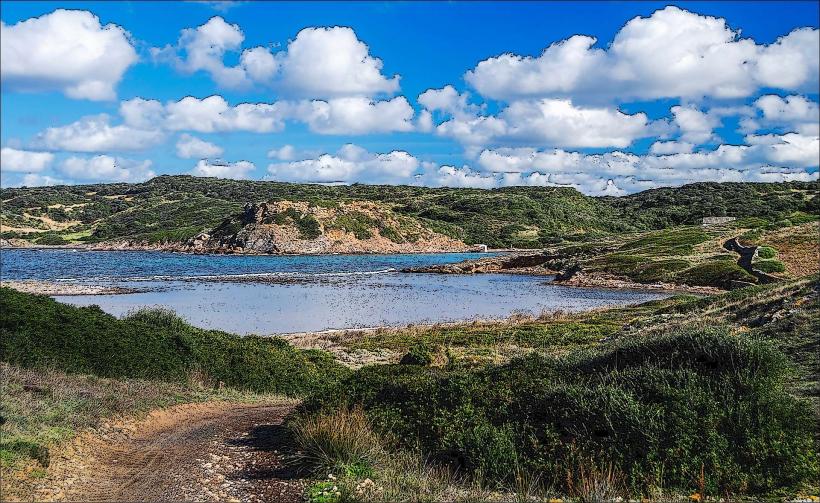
[175, 208]
[36, 331]
[717, 386]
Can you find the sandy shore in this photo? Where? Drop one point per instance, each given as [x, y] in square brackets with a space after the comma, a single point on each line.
[57, 288]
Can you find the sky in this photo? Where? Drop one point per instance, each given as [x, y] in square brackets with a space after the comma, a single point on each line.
[610, 98]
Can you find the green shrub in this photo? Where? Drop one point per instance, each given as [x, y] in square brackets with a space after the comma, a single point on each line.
[656, 409]
[770, 266]
[50, 239]
[766, 252]
[719, 274]
[419, 354]
[659, 270]
[154, 344]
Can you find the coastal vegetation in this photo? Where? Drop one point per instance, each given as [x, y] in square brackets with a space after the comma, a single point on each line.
[37, 331]
[715, 395]
[177, 208]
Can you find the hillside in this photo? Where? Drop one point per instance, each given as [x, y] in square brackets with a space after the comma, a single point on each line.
[175, 209]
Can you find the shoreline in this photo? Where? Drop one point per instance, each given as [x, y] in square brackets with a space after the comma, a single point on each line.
[160, 249]
[57, 288]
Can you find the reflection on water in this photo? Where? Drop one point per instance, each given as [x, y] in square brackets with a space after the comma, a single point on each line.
[359, 301]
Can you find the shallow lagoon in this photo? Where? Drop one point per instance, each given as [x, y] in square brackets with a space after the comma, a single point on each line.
[272, 294]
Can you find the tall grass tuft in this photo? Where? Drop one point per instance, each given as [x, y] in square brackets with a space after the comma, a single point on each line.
[341, 440]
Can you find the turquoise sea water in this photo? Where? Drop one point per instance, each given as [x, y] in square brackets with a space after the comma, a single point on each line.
[276, 294]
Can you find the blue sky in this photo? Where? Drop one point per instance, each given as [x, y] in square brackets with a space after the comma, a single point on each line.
[462, 94]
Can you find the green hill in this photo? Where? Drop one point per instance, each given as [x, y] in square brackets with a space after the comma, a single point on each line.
[176, 208]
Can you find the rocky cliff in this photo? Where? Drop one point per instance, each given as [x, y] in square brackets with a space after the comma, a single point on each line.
[289, 227]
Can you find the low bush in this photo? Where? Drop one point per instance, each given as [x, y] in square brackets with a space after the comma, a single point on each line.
[714, 273]
[154, 344]
[770, 266]
[653, 410]
[49, 238]
[419, 353]
[766, 252]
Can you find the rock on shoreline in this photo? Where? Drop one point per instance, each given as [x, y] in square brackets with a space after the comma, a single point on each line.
[58, 288]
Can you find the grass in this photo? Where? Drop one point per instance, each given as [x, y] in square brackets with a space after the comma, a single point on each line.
[36, 331]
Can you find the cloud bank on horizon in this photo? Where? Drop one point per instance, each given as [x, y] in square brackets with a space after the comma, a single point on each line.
[674, 97]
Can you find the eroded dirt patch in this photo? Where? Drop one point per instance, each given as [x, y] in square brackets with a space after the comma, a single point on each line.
[213, 451]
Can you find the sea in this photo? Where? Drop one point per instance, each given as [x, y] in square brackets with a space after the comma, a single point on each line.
[270, 295]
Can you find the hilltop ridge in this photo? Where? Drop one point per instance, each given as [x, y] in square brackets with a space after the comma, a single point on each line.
[173, 210]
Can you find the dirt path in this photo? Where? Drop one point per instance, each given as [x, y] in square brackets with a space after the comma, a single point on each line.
[214, 451]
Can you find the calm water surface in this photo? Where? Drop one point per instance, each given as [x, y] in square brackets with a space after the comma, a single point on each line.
[274, 294]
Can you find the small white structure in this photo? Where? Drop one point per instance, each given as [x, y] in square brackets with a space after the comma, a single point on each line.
[717, 220]
[481, 248]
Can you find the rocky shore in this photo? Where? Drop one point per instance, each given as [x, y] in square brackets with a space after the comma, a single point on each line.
[58, 288]
[565, 272]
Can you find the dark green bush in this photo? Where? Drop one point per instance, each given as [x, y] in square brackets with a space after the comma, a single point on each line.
[771, 266]
[766, 252]
[153, 344]
[658, 409]
[718, 273]
[419, 353]
[50, 238]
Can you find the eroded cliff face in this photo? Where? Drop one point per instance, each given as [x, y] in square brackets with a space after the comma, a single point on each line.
[289, 227]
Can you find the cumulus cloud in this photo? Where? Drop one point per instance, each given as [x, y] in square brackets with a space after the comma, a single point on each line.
[352, 115]
[792, 113]
[28, 180]
[239, 170]
[672, 53]
[321, 63]
[107, 168]
[670, 147]
[695, 125]
[12, 159]
[550, 122]
[283, 153]
[190, 147]
[769, 158]
[349, 165]
[68, 51]
[95, 133]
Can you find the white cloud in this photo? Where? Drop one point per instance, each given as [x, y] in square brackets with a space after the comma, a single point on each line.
[350, 164]
[793, 113]
[107, 168]
[695, 126]
[672, 53]
[204, 49]
[214, 114]
[238, 170]
[556, 123]
[68, 51]
[28, 180]
[94, 133]
[332, 62]
[321, 63]
[353, 115]
[793, 62]
[12, 159]
[670, 147]
[449, 101]
[190, 147]
[348, 116]
[283, 153]
[765, 158]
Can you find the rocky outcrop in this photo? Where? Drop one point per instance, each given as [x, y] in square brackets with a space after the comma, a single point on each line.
[537, 263]
[288, 227]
